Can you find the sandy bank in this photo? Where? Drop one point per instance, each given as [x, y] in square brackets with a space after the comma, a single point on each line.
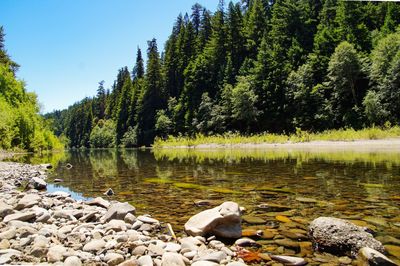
[381, 145]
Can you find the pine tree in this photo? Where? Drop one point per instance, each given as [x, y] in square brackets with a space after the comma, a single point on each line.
[153, 97]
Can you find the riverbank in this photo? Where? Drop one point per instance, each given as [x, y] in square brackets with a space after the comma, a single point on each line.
[301, 139]
[381, 145]
[39, 227]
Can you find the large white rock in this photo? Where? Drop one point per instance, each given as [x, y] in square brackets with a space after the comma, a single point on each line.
[223, 221]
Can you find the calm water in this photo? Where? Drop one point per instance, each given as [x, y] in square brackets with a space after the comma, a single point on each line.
[360, 186]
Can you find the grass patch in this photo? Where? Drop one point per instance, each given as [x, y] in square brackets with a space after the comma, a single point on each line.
[348, 134]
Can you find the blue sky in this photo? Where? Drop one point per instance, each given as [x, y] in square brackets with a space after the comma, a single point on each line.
[65, 47]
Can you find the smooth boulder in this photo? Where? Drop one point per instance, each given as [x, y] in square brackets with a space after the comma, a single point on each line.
[338, 236]
[223, 221]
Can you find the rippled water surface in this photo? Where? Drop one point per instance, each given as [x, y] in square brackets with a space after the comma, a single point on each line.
[360, 186]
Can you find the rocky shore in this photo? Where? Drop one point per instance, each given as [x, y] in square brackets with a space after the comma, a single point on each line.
[52, 228]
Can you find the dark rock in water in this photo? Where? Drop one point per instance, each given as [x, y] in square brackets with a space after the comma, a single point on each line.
[271, 207]
[339, 237]
[38, 183]
[68, 166]
[223, 221]
[371, 257]
[109, 192]
[58, 180]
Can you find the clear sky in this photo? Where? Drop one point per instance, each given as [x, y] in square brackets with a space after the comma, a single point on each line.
[65, 47]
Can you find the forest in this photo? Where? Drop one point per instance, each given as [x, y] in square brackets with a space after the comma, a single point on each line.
[21, 125]
[250, 67]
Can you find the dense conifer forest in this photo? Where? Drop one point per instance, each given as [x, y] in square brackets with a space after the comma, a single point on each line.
[250, 67]
[21, 126]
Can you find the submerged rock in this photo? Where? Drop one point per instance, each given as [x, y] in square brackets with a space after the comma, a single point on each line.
[223, 221]
[338, 236]
[289, 260]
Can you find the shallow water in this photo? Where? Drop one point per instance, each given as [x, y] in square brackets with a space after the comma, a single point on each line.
[359, 186]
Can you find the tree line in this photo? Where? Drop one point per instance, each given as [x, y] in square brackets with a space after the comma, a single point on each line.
[21, 126]
[250, 67]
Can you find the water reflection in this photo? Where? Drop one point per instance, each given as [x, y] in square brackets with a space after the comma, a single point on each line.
[166, 183]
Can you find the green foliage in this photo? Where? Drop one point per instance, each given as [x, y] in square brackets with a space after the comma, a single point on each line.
[282, 66]
[21, 127]
[103, 135]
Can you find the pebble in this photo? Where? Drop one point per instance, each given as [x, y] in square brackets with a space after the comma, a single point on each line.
[145, 261]
[72, 261]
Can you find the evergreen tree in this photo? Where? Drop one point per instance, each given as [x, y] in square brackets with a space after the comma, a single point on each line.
[153, 97]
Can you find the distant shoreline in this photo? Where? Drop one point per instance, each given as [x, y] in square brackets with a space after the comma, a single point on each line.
[391, 144]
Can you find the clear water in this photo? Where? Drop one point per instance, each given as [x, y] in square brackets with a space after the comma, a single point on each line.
[359, 186]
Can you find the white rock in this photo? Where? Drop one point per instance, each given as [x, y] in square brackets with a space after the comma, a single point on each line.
[172, 259]
[19, 216]
[145, 261]
[113, 258]
[28, 201]
[146, 219]
[172, 247]
[223, 221]
[55, 253]
[204, 263]
[94, 245]
[370, 256]
[289, 260]
[72, 261]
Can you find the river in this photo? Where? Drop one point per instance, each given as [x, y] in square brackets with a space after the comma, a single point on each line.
[300, 185]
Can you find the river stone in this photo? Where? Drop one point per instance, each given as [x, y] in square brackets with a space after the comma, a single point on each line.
[172, 259]
[38, 183]
[56, 253]
[236, 263]
[8, 234]
[19, 216]
[338, 236]
[116, 225]
[253, 219]
[204, 263]
[245, 242]
[289, 260]
[94, 245]
[139, 250]
[5, 209]
[146, 219]
[223, 221]
[145, 261]
[371, 257]
[217, 257]
[130, 262]
[118, 211]
[172, 247]
[28, 201]
[72, 261]
[99, 201]
[113, 258]
[58, 194]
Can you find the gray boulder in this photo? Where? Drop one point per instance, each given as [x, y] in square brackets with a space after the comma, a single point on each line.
[339, 236]
[38, 183]
[223, 221]
[118, 211]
